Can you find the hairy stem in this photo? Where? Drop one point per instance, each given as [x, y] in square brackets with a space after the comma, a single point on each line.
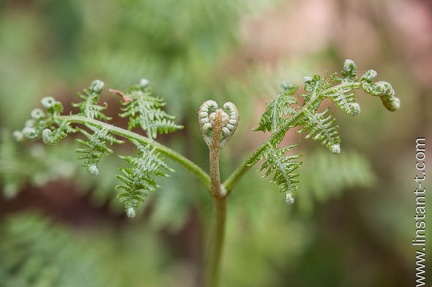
[219, 195]
[218, 237]
[186, 163]
[215, 155]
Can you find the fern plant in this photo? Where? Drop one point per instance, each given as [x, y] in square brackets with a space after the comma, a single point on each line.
[217, 124]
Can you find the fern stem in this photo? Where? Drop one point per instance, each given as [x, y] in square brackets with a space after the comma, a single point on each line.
[218, 238]
[215, 149]
[219, 195]
[186, 163]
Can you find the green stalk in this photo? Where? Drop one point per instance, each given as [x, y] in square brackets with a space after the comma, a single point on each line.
[217, 243]
[219, 195]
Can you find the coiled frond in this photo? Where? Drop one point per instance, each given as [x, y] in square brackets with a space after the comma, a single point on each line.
[138, 179]
[284, 169]
[95, 147]
[206, 121]
[89, 106]
[144, 110]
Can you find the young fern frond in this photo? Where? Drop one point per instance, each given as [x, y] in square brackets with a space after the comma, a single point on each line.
[89, 105]
[144, 110]
[95, 147]
[138, 179]
[283, 169]
[284, 113]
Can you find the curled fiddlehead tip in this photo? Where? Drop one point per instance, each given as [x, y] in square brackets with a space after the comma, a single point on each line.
[97, 86]
[30, 133]
[93, 169]
[349, 69]
[37, 114]
[336, 149]
[48, 102]
[354, 109]
[382, 89]
[289, 198]
[229, 118]
[52, 106]
[144, 83]
[131, 213]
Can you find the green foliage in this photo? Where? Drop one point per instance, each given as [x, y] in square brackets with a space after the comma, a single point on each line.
[284, 113]
[284, 169]
[143, 110]
[328, 176]
[278, 109]
[89, 106]
[35, 252]
[217, 125]
[139, 178]
[141, 107]
[95, 147]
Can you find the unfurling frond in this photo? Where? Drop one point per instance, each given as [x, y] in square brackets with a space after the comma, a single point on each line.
[95, 147]
[138, 179]
[284, 169]
[90, 98]
[284, 112]
[144, 110]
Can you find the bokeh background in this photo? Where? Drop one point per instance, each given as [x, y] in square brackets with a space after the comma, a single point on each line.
[352, 223]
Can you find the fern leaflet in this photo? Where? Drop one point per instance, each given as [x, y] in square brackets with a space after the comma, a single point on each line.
[144, 110]
[321, 127]
[282, 167]
[95, 147]
[278, 108]
[138, 179]
[89, 106]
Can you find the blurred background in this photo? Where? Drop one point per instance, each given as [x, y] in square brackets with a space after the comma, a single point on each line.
[352, 224]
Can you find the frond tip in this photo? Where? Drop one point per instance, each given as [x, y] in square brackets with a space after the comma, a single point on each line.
[89, 105]
[138, 179]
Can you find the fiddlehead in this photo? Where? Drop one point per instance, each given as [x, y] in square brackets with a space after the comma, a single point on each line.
[206, 120]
